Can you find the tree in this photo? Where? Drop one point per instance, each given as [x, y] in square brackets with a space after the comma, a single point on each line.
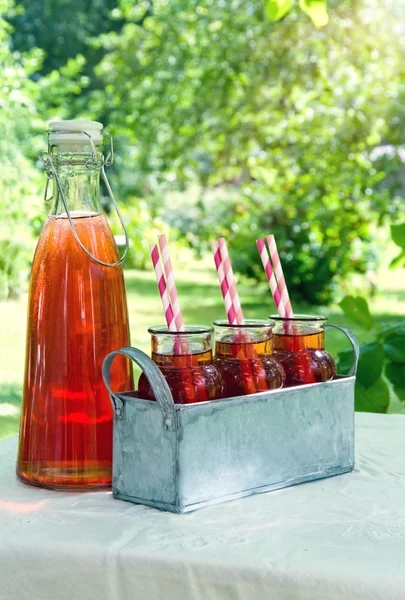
[62, 29]
[214, 93]
[19, 186]
[271, 123]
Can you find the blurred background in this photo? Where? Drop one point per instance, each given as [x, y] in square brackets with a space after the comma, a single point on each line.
[233, 118]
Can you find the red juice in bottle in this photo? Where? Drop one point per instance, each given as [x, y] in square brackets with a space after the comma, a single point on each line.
[77, 314]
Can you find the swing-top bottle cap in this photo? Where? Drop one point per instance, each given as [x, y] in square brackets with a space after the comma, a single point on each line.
[74, 132]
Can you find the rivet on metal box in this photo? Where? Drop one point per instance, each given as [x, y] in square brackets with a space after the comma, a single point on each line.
[180, 458]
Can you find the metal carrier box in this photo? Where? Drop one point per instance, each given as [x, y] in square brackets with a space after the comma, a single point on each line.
[183, 457]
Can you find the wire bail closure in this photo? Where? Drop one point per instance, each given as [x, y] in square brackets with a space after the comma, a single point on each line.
[92, 163]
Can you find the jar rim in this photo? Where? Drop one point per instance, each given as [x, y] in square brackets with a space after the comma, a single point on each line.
[248, 324]
[188, 330]
[299, 317]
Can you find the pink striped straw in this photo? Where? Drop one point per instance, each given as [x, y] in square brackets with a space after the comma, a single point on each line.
[161, 282]
[282, 287]
[229, 307]
[223, 250]
[171, 285]
[230, 311]
[180, 346]
[264, 255]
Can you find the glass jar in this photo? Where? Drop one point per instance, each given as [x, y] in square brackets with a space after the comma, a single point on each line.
[299, 345]
[185, 359]
[77, 314]
[243, 354]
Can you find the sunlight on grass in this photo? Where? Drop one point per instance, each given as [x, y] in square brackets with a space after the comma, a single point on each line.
[8, 410]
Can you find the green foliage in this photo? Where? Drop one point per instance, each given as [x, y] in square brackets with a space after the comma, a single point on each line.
[215, 96]
[277, 9]
[263, 126]
[62, 29]
[27, 101]
[142, 229]
[381, 369]
[375, 398]
[394, 345]
[18, 178]
[371, 364]
[398, 236]
[356, 309]
[315, 9]
[395, 373]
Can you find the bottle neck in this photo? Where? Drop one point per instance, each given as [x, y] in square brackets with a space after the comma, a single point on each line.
[80, 184]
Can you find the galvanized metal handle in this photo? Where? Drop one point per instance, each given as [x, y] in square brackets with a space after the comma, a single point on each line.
[354, 342]
[157, 382]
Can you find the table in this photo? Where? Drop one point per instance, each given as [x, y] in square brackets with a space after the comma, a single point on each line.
[342, 537]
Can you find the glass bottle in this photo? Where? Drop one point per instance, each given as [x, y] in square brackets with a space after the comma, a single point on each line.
[244, 355]
[185, 359]
[299, 345]
[77, 314]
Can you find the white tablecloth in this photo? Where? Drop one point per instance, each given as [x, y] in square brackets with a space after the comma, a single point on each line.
[342, 537]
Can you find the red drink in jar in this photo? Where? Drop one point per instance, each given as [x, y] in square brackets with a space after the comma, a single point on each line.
[185, 359]
[299, 345]
[244, 355]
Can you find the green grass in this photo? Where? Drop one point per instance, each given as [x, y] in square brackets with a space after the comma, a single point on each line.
[201, 303]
